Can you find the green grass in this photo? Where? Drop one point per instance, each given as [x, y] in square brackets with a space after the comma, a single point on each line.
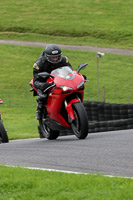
[19, 105]
[97, 23]
[24, 184]
[18, 110]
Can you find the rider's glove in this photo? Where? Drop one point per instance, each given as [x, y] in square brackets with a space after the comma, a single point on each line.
[50, 85]
[45, 85]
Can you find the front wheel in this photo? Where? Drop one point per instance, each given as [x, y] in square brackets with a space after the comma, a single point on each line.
[3, 133]
[80, 125]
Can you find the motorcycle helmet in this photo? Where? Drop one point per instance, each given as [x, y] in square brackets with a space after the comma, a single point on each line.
[53, 53]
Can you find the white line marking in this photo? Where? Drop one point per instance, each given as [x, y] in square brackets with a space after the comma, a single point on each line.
[68, 172]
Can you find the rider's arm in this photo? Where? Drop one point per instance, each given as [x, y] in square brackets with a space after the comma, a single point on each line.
[39, 83]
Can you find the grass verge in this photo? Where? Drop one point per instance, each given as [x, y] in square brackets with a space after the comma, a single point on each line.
[97, 23]
[24, 184]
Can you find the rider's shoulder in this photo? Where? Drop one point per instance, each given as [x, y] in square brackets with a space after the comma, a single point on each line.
[40, 62]
[36, 66]
[65, 59]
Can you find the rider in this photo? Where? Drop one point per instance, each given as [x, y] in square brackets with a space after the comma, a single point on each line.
[50, 59]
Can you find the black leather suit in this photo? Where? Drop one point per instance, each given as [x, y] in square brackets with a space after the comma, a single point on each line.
[42, 65]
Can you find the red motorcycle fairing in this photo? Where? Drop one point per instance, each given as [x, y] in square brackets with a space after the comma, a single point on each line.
[56, 98]
[32, 85]
[55, 110]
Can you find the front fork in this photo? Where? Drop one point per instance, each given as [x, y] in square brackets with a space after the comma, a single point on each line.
[69, 109]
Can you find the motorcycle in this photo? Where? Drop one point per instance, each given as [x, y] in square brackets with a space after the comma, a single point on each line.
[64, 107]
[3, 132]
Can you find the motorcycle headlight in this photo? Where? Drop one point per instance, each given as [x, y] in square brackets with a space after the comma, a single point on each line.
[80, 85]
[65, 88]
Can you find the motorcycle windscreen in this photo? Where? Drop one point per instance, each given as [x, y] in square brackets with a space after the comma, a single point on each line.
[64, 72]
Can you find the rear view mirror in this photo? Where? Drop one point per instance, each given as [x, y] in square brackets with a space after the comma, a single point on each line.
[82, 66]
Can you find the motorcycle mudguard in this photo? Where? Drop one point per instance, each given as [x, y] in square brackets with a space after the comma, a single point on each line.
[70, 109]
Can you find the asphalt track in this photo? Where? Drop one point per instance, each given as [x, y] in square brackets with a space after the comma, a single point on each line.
[108, 153]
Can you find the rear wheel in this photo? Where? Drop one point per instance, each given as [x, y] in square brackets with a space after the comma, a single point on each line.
[46, 132]
[80, 125]
[3, 133]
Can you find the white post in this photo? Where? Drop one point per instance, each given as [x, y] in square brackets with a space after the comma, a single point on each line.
[97, 78]
[99, 55]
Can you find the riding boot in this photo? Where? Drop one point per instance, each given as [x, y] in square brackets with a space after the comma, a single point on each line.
[40, 107]
[38, 112]
[41, 110]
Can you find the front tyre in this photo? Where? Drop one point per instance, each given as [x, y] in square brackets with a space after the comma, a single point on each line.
[3, 133]
[80, 125]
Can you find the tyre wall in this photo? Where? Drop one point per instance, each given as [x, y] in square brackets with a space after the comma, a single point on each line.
[108, 117]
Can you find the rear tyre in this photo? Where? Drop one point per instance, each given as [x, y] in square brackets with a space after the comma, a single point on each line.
[3, 133]
[46, 132]
[80, 125]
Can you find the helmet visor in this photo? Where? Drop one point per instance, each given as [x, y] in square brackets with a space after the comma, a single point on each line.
[54, 58]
